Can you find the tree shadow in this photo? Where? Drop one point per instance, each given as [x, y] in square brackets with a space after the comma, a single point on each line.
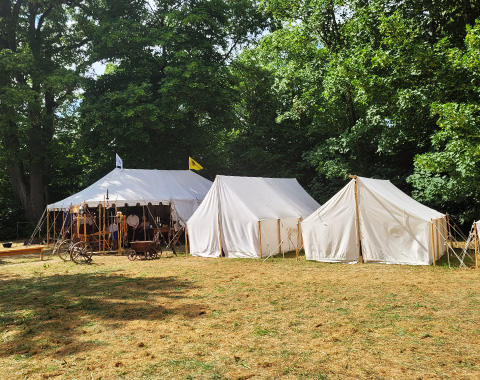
[48, 314]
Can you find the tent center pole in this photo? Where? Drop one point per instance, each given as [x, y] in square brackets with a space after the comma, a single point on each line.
[357, 219]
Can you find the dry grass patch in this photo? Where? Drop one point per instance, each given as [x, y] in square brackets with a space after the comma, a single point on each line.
[193, 318]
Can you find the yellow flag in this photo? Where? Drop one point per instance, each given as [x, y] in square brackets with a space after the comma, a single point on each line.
[192, 164]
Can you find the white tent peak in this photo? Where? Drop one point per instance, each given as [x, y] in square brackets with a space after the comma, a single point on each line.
[237, 210]
[392, 227]
[142, 186]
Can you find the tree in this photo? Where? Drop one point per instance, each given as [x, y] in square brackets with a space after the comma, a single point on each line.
[170, 94]
[41, 58]
[449, 173]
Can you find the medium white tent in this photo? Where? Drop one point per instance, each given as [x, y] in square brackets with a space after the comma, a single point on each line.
[249, 217]
[375, 218]
[182, 189]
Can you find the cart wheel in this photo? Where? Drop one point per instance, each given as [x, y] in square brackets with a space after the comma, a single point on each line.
[132, 255]
[62, 249]
[150, 253]
[81, 253]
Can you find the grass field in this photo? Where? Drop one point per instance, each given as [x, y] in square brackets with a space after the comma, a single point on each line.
[193, 318]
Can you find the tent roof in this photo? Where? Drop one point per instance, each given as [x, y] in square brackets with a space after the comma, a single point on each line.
[269, 198]
[393, 194]
[132, 186]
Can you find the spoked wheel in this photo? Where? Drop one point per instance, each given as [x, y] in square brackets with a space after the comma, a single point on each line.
[132, 255]
[62, 249]
[151, 253]
[81, 253]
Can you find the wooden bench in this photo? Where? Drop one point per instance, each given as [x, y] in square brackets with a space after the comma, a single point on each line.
[23, 251]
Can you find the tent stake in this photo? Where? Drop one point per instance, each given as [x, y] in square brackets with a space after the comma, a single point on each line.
[357, 218]
[433, 242]
[48, 229]
[279, 237]
[260, 236]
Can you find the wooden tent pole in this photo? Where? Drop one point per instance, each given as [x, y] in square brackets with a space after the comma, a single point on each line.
[84, 222]
[298, 236]
[48, 229]
[279, 238]
[433, 242]
[63, 223]
[144, 229]
[103, 221]
[357, 218]
[301, 236]
[99, 229]
[220, 236]
[54, 226]
[438, 239]
[476, 244]
[260, 236]
[78, 226]
[186, 241]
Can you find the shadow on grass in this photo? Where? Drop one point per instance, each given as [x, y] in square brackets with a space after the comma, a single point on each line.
[46, 314]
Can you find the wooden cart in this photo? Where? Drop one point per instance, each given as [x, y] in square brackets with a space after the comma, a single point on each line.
[149, 249]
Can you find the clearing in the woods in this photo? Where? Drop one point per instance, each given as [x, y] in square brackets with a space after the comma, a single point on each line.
[195, 318]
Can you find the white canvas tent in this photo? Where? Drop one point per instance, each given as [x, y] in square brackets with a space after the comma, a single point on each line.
[182, 189]
[249, 217]
[391, 227]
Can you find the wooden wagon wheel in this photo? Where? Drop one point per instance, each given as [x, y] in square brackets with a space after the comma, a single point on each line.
[81, 253]
[62, 249]
[132, 255]
[151, 253]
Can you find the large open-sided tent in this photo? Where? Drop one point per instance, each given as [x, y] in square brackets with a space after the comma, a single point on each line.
[249, 217]
[183, 190]
[374, 221]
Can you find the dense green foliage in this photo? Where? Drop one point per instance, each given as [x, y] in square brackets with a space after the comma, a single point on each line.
[316, 89]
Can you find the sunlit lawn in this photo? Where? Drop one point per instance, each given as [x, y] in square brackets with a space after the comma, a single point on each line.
[193, 318]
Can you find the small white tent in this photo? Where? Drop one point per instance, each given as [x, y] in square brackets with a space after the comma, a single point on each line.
[249, 217]
[378, 220]
[182, 189]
